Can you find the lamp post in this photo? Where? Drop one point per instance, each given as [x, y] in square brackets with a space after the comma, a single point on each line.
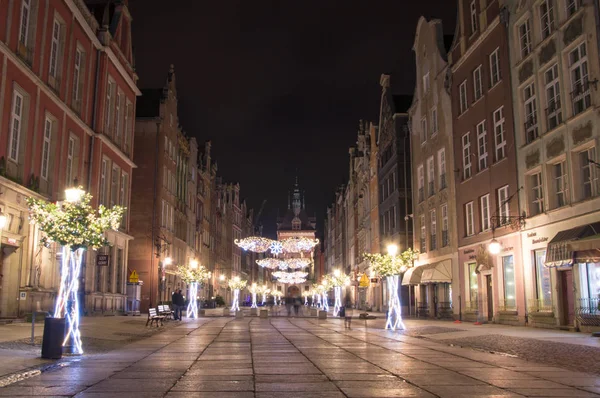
[163, 275]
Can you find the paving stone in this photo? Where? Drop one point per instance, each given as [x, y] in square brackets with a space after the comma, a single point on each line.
[191, 384]
[553, 392]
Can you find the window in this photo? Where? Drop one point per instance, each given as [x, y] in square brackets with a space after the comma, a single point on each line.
[477, 88]
[434, 121]
[445, 237]
[485, 212]
[123, 197]
[70, 155]
[494, 68]
[482, 153]
[473, 288]
[466, 149]
[425, 82]
[25, 16]
[578, 69]
[499, 139]
[108, 117]
[560, 183]
[537, 194]
[591, 285]
[508, 271]
[503, 206]
[103, 176]
[421, 179]
[442, 167]
[78, 77]
[543, 284]
[128, 127]
[163, 214]
[296, 223]
[531, 128]
[16, 126]
[433, 231]
[589, 172]
[546, 18]
[553, 111]
[525, 38]
[573, 6]
[469, 222]
[118, 119]
[55, 49]
[46, 148]
[423, 235]
[473, 9]
[463, 97]
[114, 186]
[423, 130]
[430, 176]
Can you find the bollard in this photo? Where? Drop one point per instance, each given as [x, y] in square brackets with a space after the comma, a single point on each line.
[322, 314]
[264, 314]
[253, 311]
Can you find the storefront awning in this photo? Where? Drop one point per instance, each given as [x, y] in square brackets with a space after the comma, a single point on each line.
[438, 273]
[413, 276]
[563, 247]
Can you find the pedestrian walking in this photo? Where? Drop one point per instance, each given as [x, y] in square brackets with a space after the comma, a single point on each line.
[178, 304]
[297, 304]
[348, 315]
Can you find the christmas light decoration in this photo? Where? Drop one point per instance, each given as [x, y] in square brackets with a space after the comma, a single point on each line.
[236, 284]
[276, 247]
[297, 263]
[337, 280]
[277, 296]
[193, 276]
[270, 263]
[264, 290]
[256, 244]
[254, 289]
[290, 277]
[298, 245]
[75, 226]
[305, 294]
[391, 266]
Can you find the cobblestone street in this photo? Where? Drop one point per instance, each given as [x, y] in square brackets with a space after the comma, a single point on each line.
[298, 357]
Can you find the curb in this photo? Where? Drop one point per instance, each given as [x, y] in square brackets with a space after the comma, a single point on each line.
[32, 371]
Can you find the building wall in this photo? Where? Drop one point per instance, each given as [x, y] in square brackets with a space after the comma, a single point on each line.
[43, 74]
[484, 147]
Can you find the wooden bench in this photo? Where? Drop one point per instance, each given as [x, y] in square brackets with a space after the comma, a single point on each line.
[154, 317]
[165, 310]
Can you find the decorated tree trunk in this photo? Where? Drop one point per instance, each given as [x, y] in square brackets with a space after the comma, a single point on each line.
[325, 302]
[235, 304]
[67, 301]
[192, 308]
[394, 319]
[254, 305]
[337, 291]
[264, 298]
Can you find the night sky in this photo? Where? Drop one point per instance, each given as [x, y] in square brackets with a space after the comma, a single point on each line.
[279, 86]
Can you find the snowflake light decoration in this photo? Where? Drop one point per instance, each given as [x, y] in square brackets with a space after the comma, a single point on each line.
[276, 247]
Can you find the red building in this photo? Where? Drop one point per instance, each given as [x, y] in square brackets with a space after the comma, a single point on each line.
[67, 98]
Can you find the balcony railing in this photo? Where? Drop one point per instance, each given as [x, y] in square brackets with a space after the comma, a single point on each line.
[443, 181]
[554, 113]
[539, 305]
[580, 96]
[507, 305]
[531, 128]
[443, 309]
[471, 306]
[588, 311]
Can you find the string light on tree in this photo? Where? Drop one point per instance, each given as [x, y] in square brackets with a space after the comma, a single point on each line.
[193, 275]
[254, 289]
[75, 226]
[337, 280]
[391, 265]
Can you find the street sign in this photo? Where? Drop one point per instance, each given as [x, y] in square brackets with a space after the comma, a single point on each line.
[364, 281]
[133, 277]
[102, 260]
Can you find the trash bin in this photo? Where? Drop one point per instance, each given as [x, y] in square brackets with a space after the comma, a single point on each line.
[54, 335]
[342, 312]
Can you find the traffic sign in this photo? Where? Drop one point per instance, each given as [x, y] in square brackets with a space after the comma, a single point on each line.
[364, 281]
[133, 277]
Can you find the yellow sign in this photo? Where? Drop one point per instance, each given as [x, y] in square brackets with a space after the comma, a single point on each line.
[364, 281]
[133, 277]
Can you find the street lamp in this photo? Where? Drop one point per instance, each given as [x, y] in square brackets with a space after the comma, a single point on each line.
[392, 249]
[494, 246]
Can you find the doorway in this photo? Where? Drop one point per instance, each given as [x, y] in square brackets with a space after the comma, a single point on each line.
[567, 298]
[490, 298]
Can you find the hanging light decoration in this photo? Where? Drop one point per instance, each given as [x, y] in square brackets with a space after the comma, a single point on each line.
[298, 245]
[276, 247]
[270, 263]
[256, 244]
[290, 277]
[298, 263]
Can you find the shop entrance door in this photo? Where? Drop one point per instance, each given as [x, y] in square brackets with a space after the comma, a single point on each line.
[490, 298]
[567, 297]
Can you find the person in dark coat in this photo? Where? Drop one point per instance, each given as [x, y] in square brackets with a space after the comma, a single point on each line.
[178, 304]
